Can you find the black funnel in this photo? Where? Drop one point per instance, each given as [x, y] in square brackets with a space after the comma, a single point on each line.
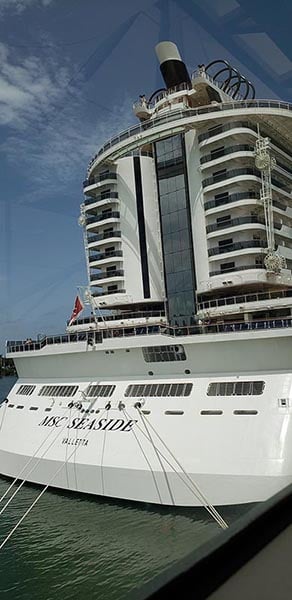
[173, 69]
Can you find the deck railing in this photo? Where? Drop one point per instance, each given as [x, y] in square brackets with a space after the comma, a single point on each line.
[190, 112]
[244, 298]
[97, 337]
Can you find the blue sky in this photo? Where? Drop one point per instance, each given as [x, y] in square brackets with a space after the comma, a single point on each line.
[69, 73]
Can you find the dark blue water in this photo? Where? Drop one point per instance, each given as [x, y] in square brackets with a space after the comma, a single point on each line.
[75, 546]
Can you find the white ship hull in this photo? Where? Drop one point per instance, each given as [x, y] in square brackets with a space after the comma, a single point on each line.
[234, 449]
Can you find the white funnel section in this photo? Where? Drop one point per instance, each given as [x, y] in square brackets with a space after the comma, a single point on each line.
[167, 51]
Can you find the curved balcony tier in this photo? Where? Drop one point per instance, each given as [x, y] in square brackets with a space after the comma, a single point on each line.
[108, 293]
[221, 153]
[236, 268]
[237, 246]
[238, 221]
[271, 296]
[107, 275]
[238, 173]
[104, 238]
[183, 119]
[109, 217]
[100, 199]
[105, 257]
[99, 180]
[229, 198]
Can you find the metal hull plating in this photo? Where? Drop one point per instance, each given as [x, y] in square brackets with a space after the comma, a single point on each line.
[230, 449]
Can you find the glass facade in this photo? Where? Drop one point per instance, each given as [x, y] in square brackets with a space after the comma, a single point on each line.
[176, 230]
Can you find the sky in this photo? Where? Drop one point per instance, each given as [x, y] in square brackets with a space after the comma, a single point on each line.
[70, 71]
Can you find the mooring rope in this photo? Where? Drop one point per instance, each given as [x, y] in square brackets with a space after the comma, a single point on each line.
[42, 492]
[32, 458]
[65, 426]
[194, 487]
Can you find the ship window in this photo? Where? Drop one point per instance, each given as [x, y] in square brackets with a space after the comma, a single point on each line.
[214, 128]
[236, 388]
[216, 151]
[164, 353]
[20, 406]
[219, 175]
[159, 390]
[100, 390]
[245, 412]
[26, 390]
[223, 219]
[226, 242]
[211, 412]
[227, 266]
[221, 196]
[58, 390]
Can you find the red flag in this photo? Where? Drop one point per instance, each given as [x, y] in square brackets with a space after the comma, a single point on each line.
[78, 307]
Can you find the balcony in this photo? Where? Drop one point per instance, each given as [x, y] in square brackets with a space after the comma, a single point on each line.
[107, 275]
[237, 246]
[222, 128]
[191, 114]
[229, 175]
[109, 292]
[103, 177]
[103, 217]
[225, 151]
[233, 269]
[245, 298]
[101, 198]
[107, 235]
[231, 198]
[105, 255]
[239, 221]
[237, 173]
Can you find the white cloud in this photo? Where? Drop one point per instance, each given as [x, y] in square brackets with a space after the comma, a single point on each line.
[50, 136]
[28, 87]
[18, 6]
[60, 154]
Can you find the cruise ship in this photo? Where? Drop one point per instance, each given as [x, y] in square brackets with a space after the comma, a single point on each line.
[177, 388]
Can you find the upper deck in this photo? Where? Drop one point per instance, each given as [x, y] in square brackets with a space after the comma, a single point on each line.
[138, 135]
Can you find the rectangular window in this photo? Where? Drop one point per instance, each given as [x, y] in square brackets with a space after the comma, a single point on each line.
[236, 388]
[223, 219]
[216, 152]
[58, 390]
[221, 196]
[95, 391]
[214, 128]
[164, 353]
[159, 390]
[226, 242]
[26, 390]
[219, 175]
[227, 266]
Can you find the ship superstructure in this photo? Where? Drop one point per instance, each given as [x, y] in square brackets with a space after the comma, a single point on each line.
[181, 375]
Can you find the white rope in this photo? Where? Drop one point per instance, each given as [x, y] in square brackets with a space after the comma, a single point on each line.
[32, 457]
[160, 462]
[41, 493]
[210, 506]
[146, 459]
[197, 491]
[34, 466]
